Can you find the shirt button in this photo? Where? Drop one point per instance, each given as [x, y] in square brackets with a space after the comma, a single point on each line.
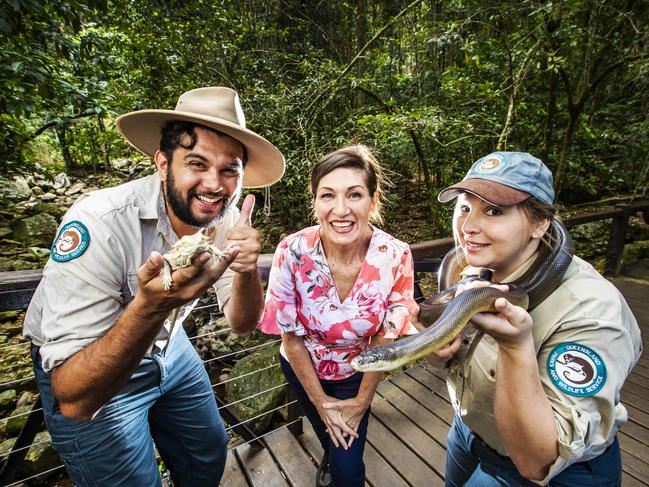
[465, 341]
[492, 373]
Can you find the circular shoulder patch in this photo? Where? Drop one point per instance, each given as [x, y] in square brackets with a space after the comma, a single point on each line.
[490, 164]
[576, 369]
[73, 240]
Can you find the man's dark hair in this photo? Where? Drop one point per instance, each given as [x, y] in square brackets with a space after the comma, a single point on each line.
[176, 134]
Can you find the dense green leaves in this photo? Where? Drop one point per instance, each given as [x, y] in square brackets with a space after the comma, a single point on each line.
[432, 85]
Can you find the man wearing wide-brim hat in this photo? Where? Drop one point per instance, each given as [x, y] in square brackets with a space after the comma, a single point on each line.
[112, 361]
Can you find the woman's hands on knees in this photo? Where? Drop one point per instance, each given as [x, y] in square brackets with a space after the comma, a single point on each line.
[351, 412]
[333, 417]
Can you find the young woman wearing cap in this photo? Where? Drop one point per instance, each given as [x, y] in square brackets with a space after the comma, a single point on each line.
[539, 396]
[335, 289]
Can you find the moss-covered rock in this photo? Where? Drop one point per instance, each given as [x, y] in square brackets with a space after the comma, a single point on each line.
[267, 377]
[16, 365]
[214, 341]
[12, 327]
[8, 315]
[6, 446]
[36, 231]
[27, 398]
[15, 264]
[41, 457]
[8, 399]
[12, 192]
[16, 419]
[56, 210]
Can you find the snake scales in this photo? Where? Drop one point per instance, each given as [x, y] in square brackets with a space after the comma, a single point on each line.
[447, 315]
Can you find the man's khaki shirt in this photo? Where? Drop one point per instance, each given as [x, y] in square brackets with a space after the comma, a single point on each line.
[585, 314]
[79, 300]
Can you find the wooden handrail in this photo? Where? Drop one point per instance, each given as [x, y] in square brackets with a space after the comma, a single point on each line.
[17, 287]
[13, 280]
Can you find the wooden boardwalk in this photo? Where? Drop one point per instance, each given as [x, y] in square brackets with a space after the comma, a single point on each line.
[410, 418]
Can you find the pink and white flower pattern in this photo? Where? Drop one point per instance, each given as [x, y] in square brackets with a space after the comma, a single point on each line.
[302, 299]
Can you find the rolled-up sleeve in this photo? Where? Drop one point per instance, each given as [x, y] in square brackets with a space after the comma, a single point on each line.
[281, 306]
[75, 314]
[400, 302]
[82, 298]
[588, 421]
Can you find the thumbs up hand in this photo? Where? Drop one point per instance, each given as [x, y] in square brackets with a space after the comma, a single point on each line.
[246, 238]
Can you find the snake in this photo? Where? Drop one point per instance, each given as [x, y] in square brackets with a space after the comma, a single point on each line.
[446, 315]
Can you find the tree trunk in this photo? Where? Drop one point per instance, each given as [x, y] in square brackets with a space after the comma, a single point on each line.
[422, 166]
[105, 146]
[575, 109]
[361, 40]
[517, 82]
[550, 112]
[61, 134]
[421, 157]
[575, 112]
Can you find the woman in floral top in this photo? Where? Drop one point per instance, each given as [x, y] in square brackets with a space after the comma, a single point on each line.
[334, 290]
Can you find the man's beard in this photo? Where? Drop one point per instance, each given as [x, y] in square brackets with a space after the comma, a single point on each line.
[182, 207]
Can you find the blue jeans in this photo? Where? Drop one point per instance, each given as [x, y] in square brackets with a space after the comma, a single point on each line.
[347, 466]
[471, 462]
[168, 399]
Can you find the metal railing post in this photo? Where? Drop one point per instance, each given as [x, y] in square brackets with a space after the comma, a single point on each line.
[294, 412]
[24, 440]
[235, 423]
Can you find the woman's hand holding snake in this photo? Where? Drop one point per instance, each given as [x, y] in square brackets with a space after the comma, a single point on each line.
[511, 326]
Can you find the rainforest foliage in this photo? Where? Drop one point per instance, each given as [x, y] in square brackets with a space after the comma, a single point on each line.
[431, 84]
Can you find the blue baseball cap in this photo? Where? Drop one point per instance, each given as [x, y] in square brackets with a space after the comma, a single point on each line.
[504, 179]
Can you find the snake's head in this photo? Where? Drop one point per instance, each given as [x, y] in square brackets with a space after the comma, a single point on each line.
[369, 360]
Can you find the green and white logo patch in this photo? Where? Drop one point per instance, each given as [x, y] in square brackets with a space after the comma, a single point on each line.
[72, 241]
[576, 369]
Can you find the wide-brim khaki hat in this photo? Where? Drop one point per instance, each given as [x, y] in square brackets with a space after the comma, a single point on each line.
[215, 107]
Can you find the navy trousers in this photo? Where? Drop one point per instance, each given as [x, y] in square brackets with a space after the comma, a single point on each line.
[168, 400]
[347, 466]
[471, 462]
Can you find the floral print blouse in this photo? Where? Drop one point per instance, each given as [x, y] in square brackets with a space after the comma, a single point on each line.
[302, 299]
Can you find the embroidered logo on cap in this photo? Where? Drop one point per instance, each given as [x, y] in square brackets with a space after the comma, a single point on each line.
[576, 369]
[73, 240]
[490, 164]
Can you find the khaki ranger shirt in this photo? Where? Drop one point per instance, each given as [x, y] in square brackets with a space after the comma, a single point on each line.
[91, 275]
[586, 342]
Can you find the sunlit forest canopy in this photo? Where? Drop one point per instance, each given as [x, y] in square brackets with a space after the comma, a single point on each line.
[432, 85]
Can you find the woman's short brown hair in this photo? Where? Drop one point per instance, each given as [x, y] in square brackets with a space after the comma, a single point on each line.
[360, 158]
